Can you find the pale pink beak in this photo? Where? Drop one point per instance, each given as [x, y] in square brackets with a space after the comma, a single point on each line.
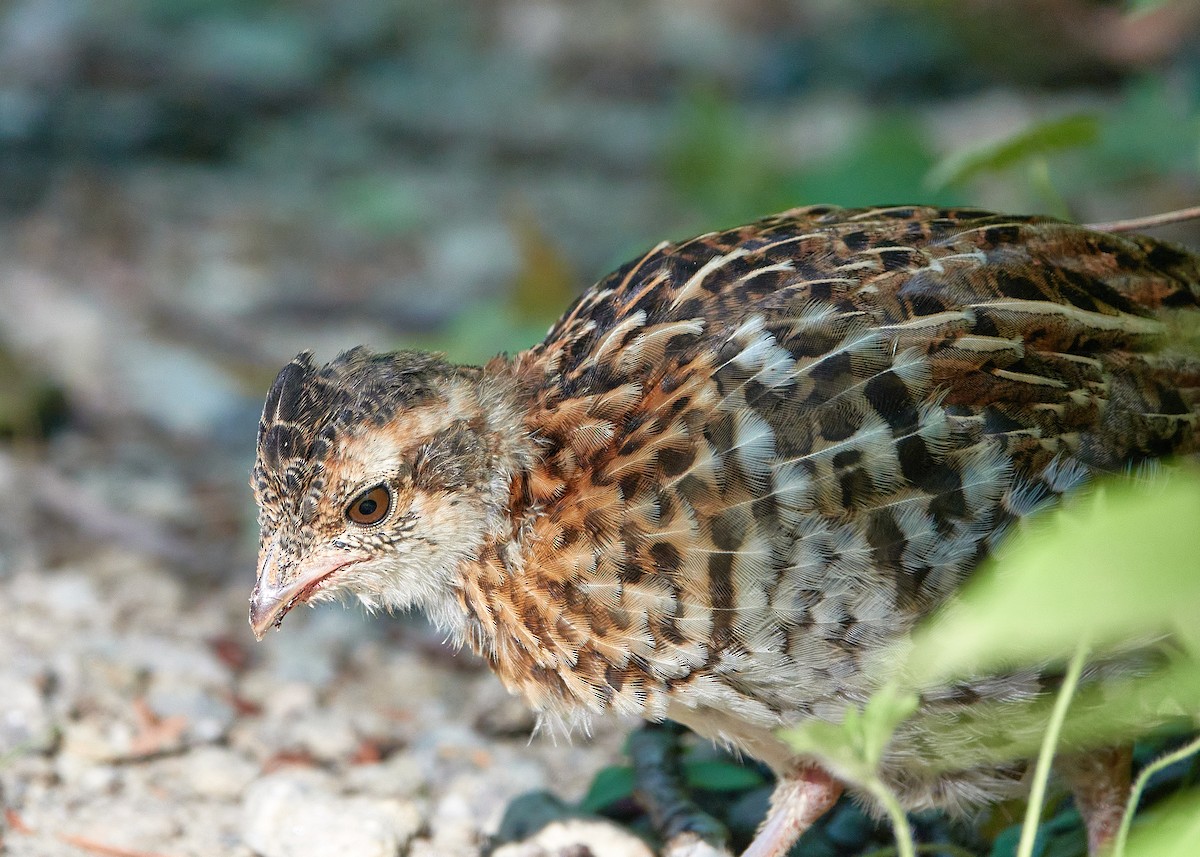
[279, 589]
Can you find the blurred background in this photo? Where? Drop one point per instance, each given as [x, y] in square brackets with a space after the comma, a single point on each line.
[192, 191]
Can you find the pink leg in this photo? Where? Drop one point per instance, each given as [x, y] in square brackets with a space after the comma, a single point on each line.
[1099, 779]
[800, 798]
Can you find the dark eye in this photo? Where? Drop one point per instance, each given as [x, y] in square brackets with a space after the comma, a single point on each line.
[370, 507]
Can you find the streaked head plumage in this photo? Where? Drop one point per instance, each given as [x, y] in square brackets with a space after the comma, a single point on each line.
[374, 477]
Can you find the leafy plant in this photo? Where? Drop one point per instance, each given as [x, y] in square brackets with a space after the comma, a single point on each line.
[1033, 142]
[1152, 130]
[1110, 579]
[853, 750]
[1109, 567]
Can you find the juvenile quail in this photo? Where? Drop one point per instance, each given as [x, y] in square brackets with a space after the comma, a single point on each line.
[738, 469]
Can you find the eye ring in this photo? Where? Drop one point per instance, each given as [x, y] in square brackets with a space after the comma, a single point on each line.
[370, 507]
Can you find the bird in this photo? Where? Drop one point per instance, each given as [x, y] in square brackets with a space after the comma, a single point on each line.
[740, 470]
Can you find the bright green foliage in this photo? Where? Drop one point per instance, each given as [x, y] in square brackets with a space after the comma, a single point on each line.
[1118, 565]
[1170, 833]
[1036, 141]
[1117, 568]
[1169, 830]
[1115, 572]
[853, 750]
[854, 747]
[1114, 711]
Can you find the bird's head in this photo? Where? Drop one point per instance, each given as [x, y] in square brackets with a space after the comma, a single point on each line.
[378, 476]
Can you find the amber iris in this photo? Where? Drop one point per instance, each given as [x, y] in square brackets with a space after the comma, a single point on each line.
[371, 506]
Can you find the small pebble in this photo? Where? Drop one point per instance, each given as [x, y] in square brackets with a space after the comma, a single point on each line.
[215, 772]
[25, 724]
[296, 814]
[578, 836]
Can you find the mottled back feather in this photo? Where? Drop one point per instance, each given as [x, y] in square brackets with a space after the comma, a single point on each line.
[768, 452]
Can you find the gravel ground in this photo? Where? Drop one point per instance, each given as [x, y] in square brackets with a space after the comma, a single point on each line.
[139, 717]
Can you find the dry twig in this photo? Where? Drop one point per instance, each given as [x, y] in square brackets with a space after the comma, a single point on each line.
[100, 848]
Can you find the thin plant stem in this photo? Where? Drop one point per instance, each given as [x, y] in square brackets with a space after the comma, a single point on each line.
[1134, 224]
[1037, 794]
[905, 847]
[1139, 785]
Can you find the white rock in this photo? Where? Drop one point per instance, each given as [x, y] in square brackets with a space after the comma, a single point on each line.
[280, 700]
[98, 779]
[24, 722]
[296, 814]
[400, 775]
[117, 821]
[208, 716]
[87, 742]
[191, 660]
[216, 772]
[497, 713]
[326, 734]
[470, 805]
[569, 837]
[66, 597]
[441, 848]
[316, 642]
[690, 845]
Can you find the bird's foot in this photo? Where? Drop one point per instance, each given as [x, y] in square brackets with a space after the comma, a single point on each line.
[800, 798]
[1099, 779]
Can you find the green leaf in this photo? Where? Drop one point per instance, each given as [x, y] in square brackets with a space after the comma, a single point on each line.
[1108, 712]
[1005, 845]
[1115, 566]
[854, 747]
[610, 785]
[718, 775]
[1168, 830]
[1069, 132]
[883, 714]
[1152, 770]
